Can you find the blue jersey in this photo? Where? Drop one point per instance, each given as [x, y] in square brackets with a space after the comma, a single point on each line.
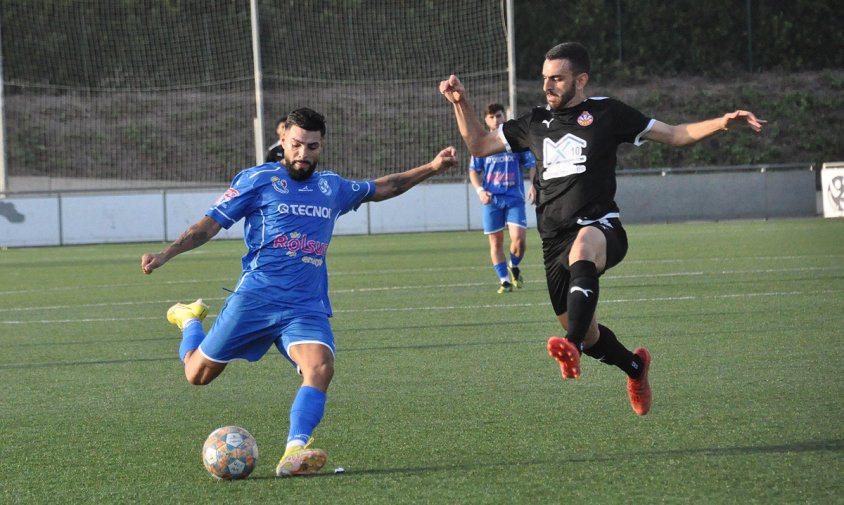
[288, 225]
[502, 173]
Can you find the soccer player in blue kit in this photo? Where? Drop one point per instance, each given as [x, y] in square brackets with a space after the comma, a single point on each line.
[281, 298]
[575, 140]
[498, 181]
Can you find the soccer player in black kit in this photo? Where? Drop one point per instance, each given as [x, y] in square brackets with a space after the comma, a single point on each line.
[575, 139]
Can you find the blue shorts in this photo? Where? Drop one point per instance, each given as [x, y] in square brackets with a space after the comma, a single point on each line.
[504, 210]
[247, 327]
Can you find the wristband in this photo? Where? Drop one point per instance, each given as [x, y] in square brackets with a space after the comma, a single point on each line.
[479, 189]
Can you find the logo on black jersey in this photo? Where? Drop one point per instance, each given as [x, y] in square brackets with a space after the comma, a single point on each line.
[563, 157]
[547, 122]
[585, 119]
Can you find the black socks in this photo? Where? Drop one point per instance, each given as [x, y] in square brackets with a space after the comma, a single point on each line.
[610, 351]
[581, 300]
[580, 304]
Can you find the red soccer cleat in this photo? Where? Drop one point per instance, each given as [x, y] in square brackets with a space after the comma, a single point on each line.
[639, 389]
[566, 355]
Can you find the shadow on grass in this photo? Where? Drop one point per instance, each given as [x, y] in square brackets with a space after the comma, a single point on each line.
[340, 331]
[794, 447]
[4, 366]
[170, 338]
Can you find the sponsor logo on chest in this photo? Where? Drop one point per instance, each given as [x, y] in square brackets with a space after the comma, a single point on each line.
[564, 157]
[304, 210]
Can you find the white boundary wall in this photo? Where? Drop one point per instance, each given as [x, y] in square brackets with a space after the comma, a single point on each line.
[832, 189]
[162, 215]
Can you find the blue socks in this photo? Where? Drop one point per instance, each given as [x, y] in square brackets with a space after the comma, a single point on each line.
[192, 336]
[305, 414]
[515, 260]
[501, 270]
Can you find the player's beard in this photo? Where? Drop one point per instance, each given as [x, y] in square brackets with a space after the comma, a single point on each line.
[565, 98]
[300, 175]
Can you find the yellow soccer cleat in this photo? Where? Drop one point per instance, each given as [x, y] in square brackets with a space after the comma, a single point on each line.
[505, 287]
[300, 460]
[181, 313]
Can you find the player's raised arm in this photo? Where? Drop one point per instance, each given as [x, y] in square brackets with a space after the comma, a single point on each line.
[479, 140]
[393, 185]
[199, 233]
[689, 133]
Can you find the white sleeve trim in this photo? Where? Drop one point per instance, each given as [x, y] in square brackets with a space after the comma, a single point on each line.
[639, 140]
[500, 131]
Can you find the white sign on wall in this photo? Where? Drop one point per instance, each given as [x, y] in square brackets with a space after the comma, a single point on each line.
[832, 189]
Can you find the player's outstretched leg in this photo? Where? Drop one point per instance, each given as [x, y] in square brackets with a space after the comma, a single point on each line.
[639, 389]
[305, 415]
[567, 356]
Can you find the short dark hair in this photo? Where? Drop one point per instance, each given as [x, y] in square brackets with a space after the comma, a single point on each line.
[282, 119]
[306, 119]
[575, 52]
[492, 108]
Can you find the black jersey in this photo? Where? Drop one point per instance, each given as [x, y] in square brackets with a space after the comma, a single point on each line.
[275, 153]
[575, 152]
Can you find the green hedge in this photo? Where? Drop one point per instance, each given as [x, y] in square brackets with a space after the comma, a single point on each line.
[634, 38]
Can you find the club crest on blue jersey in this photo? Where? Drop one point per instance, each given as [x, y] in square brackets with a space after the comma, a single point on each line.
[280, 185]
[324, 187]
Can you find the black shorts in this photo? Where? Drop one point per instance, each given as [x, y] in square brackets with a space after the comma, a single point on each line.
[555, 252]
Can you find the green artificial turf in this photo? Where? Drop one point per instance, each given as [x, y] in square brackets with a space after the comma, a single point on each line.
[443, 391]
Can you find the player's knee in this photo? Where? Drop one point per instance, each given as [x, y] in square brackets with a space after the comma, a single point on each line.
[197, 380]
[321, 373]
[326, 371]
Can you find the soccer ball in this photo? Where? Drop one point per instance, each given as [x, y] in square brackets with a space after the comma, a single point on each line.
[230, 453]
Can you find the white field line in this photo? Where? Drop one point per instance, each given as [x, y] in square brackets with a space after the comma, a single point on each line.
[473, 307]
[230, 281]
[608, 280]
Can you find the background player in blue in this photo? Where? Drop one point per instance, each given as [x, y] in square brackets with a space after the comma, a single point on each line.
[281, 297]
[498, 181]
[575, 139]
